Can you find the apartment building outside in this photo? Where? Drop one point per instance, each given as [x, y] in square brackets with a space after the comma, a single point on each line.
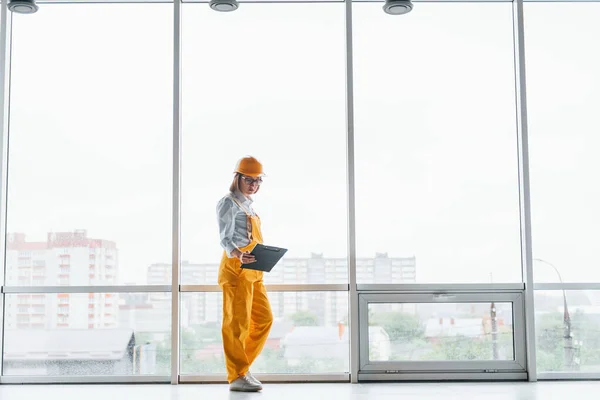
[328, 308]
[63, 259]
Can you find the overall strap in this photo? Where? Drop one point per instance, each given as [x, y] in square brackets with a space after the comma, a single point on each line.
[248, 215]
[244, 209]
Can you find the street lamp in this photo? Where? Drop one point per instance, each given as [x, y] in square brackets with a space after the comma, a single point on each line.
[567, 335]
[494, 323]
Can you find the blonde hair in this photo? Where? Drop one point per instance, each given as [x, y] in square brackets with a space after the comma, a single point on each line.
[235, 185]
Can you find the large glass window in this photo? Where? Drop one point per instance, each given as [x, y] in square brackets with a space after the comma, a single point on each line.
[266, 81]
[567, 327]
[436, 145]
[309, 334]
[89, 184]
[441, 332]
[93, 334]
[432, 332]
[563, 98]
[90, 189]
[562, 87]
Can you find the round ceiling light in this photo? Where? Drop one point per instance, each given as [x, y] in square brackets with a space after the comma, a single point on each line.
[224, 5]
[23, 6]
[397, 7]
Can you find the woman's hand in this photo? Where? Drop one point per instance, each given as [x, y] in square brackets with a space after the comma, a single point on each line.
[244, 257]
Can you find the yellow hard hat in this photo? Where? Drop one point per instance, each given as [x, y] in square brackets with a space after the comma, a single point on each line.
[249, 166]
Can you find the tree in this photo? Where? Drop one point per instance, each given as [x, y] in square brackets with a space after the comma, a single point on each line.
[551, 344]
[197, 338]
[585, 330]
[461, 348]
[163, 352]
[399, 326]
[466, 348]
[304, 318]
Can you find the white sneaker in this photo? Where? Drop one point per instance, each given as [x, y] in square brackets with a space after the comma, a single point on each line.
[252, 378]
[244, 384]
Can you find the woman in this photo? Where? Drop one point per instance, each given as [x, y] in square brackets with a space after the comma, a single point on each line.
[247, 316]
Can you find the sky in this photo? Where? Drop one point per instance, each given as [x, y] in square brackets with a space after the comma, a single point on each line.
[436, 145]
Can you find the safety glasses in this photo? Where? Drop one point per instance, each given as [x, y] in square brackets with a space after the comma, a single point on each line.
[250, 181]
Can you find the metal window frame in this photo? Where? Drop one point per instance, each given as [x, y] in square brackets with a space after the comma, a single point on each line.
[107, 379]
[567, 286]
[86, 289]
[399, 368]
[524, 185]
[272, 288]
[442, 376]
[568, 376]
[59, 379]
[442, 288]
[355, 291]
[1, 336]
[353, 314]
[47, 2]
[5, 53]
[176, 195]
[270, 378]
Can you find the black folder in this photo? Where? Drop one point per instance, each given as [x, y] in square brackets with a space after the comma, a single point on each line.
[266, 257]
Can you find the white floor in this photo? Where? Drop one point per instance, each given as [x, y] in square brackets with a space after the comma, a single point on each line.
[339, 391]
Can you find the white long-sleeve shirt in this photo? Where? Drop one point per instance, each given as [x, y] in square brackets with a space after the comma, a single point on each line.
[233, 221]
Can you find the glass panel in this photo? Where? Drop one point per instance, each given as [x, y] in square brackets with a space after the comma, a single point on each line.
[309, 334]
[281, 98]
[436, 149]
[89, 185]
[440, 332]
[95, 334]
[563, 99]
[568, 339]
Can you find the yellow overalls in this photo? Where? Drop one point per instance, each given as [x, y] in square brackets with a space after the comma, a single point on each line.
[247, 316]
